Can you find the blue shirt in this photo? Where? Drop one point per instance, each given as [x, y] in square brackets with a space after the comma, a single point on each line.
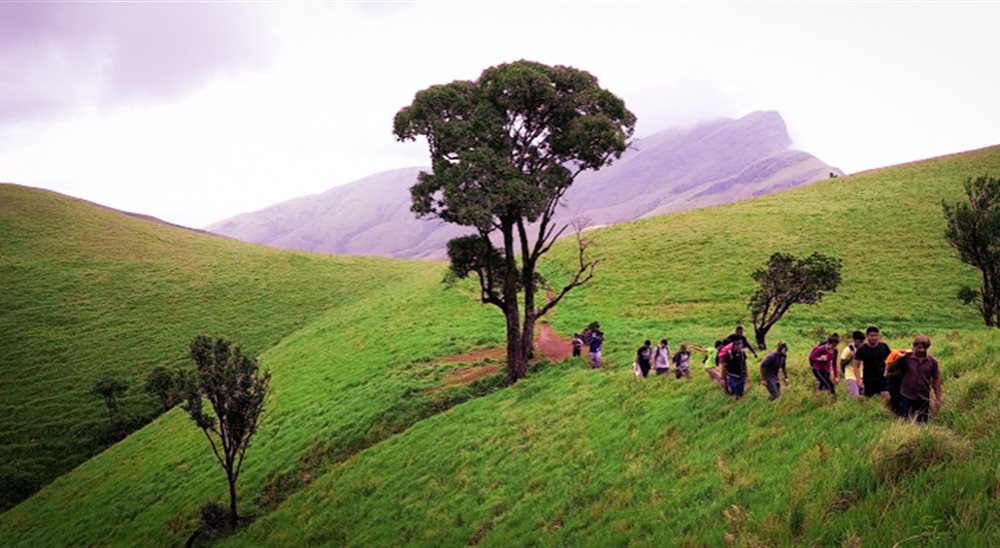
[595, 344]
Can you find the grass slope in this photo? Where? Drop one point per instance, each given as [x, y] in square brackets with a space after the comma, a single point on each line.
[89, 291]
[572, 456]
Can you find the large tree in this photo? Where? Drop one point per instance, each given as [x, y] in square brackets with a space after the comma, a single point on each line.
[236, 390]
[974, 233]
[785, 281]
[504, 150]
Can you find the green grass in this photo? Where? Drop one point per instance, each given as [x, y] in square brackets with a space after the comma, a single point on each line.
[88, 291]
[358, 451]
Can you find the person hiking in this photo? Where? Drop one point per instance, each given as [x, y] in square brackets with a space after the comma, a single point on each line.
[739, 336]
[661, 357]
[823, 361]
[733, 362]
[920, 375]
[712, 366]
[847, 364]
[596, 341]
[577, 344]
[643, 357]
[682, 367]
[894, 380]
[869, 364]
[769, 368]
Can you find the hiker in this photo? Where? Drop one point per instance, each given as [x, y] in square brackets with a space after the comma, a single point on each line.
[712, 366]
[596, 341]
[577, 344]
[823, 361]
[920, 375]
[739, 336]
[682, 360]
[894, 381]
[733, 362]
[661, 357]
[869, 364]
[643, 356]
[769, 368]
[847, 365]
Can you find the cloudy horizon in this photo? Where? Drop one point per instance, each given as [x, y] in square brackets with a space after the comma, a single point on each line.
[196, 112]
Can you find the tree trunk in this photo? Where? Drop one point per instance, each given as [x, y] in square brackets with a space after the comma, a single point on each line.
[760, 334]
[233, 516]
[516, 364]
[528, 336]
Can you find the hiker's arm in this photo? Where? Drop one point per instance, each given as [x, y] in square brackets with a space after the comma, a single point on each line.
[938, 397]
[784, 370]
[857, 373]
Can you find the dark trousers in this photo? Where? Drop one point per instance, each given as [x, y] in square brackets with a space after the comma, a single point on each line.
[773, 387]
[644, 367]
[735, 385]
[824, 381]
[920, 410]
[576, 352]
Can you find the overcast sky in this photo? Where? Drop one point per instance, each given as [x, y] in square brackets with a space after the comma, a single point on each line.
[195, 112]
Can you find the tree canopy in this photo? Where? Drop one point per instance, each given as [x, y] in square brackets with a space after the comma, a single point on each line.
[973, 231]
[504, 149]
[786, 280]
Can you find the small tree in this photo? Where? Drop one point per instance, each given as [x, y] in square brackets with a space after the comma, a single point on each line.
[504, 151]
[110, 389]
[236, 390]
[786, 280]
[164, 385]
[973, 231]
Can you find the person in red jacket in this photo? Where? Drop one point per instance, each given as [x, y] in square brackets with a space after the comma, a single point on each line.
[823, 360]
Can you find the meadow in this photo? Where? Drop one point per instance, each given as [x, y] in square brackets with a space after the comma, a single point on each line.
[363, 446]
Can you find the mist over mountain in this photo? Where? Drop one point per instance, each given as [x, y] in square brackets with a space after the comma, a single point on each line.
[716, 162]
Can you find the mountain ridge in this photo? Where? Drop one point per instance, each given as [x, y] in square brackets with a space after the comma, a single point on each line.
[671, 170]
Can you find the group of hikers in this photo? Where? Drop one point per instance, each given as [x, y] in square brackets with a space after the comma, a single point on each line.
[903, 378]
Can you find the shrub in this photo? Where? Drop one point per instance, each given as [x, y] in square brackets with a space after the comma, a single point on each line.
[906, 449]
[214, 516]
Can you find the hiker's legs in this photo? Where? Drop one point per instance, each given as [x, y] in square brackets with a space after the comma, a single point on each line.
[852, 388]
[735, 385]
[773, 387]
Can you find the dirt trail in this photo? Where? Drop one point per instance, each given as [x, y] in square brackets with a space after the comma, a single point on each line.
[548, 344]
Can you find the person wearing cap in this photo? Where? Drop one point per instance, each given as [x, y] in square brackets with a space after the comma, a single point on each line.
[920, 375]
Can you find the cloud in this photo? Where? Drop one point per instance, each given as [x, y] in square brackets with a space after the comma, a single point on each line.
[57, 58]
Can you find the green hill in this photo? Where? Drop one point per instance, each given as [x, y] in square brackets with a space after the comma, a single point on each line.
[88, 291]
[574, 456]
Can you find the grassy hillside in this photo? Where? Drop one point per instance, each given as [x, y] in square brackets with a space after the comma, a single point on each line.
[89, 291]
[573, 456]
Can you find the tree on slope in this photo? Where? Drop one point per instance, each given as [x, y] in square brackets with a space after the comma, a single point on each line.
[504, 150]
[974, 233]
[236, 390]
[786, 280]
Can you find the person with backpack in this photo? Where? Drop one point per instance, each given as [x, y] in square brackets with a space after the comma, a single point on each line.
[869, 364]
[847, 365]
[643, 357]
[733, 362]
[576, 344]
[661, 357]
[769, 368]
[682, 366]
[823, 361]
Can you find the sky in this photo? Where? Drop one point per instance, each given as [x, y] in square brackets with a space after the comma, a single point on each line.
[193, 112]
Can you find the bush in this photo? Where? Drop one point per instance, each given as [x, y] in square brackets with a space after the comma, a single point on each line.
[906, 449]
[214, 516]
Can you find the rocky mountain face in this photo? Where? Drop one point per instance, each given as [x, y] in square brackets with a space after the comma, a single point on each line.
[715, 162]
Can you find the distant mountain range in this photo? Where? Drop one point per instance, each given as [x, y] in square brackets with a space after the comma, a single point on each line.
[716, 162]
